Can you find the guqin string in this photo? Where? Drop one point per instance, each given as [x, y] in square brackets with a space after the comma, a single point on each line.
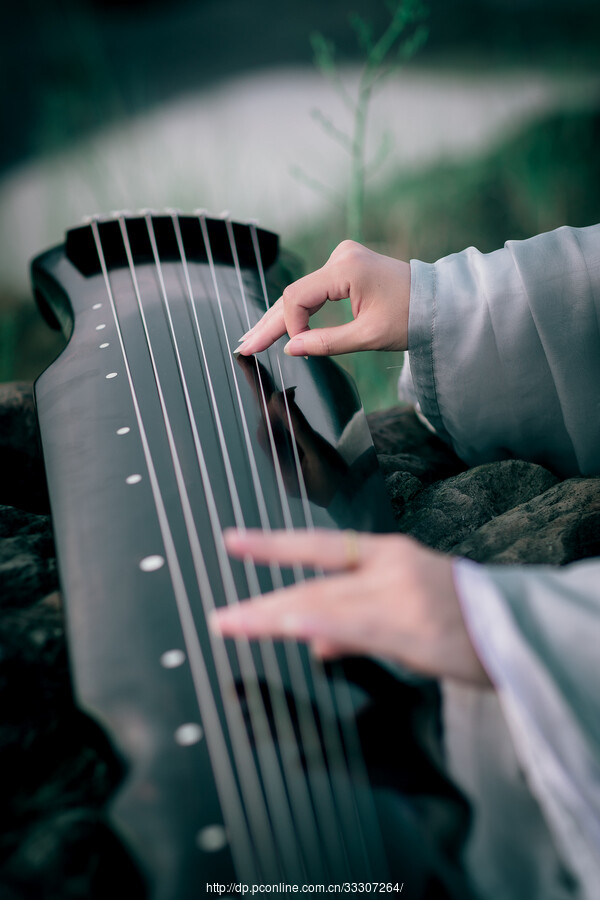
[242, 845]
[272, 854]
[275, 801]
[300, 806]
[363, 814]
[273, 781]
[284, 819]
[309, 838]
[274, 807]
[318, 778]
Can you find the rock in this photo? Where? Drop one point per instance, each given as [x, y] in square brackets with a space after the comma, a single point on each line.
[403, 444]
[560, 526]
[401, 486]
[445, 513]
[22, 479]
[27, 557]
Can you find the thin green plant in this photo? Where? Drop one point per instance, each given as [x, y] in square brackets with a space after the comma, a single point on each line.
[403, 36]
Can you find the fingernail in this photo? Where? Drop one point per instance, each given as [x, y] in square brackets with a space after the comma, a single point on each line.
[295, 347]
[230, 536]
[223, 616]
[241, 349]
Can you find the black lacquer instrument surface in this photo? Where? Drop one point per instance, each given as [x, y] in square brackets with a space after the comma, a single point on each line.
[246, 764]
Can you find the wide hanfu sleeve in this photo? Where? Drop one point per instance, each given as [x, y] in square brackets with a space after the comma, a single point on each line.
[504, 352]
[537, 632]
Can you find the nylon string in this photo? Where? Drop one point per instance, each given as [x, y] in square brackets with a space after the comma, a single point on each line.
[321, 792]
[343, 700]
[330, 733]
[366, 817]
[231, 803]
[250, 788]
[282, 719]
[272, 777]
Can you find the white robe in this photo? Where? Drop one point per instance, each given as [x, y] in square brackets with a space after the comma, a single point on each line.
[504, 352]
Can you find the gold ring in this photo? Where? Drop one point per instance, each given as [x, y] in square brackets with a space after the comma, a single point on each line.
[352, 549]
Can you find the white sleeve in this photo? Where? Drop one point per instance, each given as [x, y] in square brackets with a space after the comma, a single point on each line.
[504, 350]
[537, 632]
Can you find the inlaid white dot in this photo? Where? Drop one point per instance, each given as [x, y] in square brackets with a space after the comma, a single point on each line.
[189, 734]
[111, 375]
[104, 346]
[125, 430]
[97, 306]
[133, 479]
[212, 838]
[151, 563]
[172, 659]
[100, 327]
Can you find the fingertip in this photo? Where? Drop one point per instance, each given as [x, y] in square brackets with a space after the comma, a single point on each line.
[215, 621]
[231, 538]
[237, 540]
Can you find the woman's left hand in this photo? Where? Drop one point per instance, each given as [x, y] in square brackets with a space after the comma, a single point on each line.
[389, 596]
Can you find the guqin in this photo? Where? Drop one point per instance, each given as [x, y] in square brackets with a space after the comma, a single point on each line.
[247, 764]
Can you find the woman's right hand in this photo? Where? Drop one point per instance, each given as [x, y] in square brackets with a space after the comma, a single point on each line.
[379, 291]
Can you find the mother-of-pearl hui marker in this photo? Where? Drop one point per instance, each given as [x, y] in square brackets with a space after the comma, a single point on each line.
[104, 345]
[172, 659]
[151, 563]
[212, 838]
[189, 734]
[133, 479]
[97, 306]
[124, 430]
[100, 326]
[111, 375]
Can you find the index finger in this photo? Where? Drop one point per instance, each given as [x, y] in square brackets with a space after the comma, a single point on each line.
[307, 295]
[328, 549]
[266, 331]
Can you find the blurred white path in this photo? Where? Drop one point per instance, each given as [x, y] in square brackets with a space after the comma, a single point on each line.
[234, 147]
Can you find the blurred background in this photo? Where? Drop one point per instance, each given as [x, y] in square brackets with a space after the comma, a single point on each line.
[490, 130]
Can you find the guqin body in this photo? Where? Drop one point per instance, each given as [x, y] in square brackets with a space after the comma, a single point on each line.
[246, 764]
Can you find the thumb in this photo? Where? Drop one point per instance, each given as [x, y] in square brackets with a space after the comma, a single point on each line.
[327, 341]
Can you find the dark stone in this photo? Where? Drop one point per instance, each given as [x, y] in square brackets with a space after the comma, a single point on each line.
[503, 512]
[27, 557]
[401, 486]
[560, 526]
[404, 444]
[22, 479]
[446, 512]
